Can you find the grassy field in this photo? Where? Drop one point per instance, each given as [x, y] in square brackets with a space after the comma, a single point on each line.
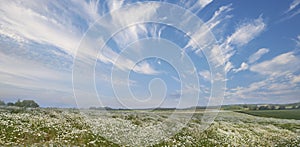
[284, 114]
[71, 127]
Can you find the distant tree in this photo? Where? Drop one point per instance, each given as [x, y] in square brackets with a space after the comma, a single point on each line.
[108, 108]
[29, 103]
[254, 107]
[18, 103]
[272, 107]
[294, 107]
[281, 107]
[298, 107]
[245, 106]
[2, 103]
[10, 104]
[26, 103]
[263, 108]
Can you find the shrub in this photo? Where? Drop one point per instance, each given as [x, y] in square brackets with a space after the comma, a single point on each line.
[281, 107]
[2, 103]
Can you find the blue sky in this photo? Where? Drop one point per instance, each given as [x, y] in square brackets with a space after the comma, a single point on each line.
[259, 44]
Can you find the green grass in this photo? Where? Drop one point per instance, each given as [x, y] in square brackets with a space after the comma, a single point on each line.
[284, 114]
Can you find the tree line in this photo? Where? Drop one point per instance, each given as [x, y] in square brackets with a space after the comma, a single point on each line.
[271, 107]
[261, 106]
[19, 103]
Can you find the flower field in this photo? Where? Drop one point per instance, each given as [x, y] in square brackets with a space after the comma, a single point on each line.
[60, 127]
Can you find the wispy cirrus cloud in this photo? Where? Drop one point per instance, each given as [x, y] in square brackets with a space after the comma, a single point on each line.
[243, 34]
[220, 15]
[292, 11]
[110, 57]
[47, 26]
[246, 32]
[33, 23]
[22, 78]
[293, 5]
[257, 55]
[199, 5]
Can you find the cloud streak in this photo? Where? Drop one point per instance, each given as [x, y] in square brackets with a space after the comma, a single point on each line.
[293, 5]
[243, 34]
[292, 11]
[31, 25]
[278, 66]
[257, 55]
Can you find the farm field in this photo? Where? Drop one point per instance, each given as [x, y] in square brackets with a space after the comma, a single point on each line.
[60, 127]
[285, 114]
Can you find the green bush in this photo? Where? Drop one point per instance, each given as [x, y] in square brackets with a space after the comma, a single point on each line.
[26, 103]
[2, 103]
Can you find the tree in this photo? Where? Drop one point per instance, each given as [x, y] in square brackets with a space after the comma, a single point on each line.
[281, 107]
[263, 108]
[253, 107]
[273, 107]
[29, 103]
[10, 104]
[245, 106]
[26, 103]
[2, 103]
[18, 103]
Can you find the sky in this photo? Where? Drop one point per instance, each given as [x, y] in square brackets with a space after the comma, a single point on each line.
[144, 54]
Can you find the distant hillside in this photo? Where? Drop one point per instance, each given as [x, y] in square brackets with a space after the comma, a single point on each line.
[223, 107]
[261, 106]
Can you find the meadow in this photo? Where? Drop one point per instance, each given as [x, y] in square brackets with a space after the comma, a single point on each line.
[285, 114]
[60, 127]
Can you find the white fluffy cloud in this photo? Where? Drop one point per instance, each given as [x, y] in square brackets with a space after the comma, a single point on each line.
[270, 90]
[244, 66]
[252, 59]
[279, 65]
[279, 81]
